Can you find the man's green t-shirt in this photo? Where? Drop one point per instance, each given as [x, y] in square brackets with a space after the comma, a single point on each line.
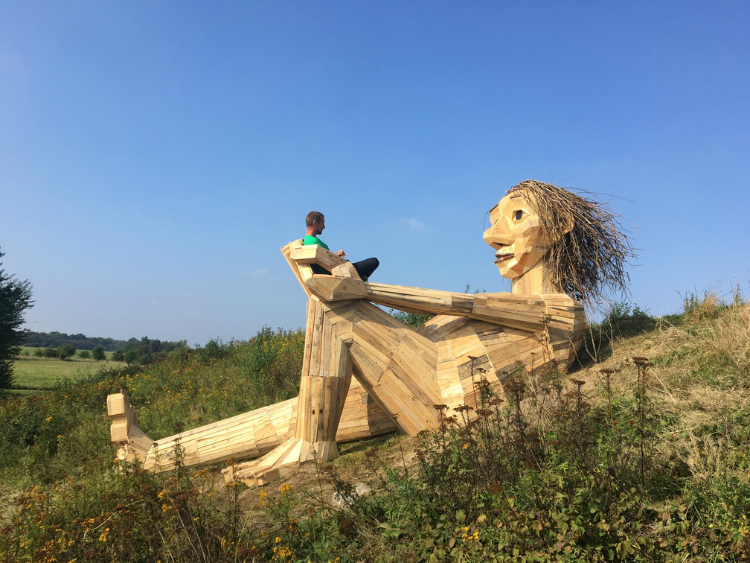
[310, 240]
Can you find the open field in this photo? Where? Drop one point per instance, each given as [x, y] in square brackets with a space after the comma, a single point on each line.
[42, 373]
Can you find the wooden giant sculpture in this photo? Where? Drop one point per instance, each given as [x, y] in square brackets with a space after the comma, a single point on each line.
[365, 373]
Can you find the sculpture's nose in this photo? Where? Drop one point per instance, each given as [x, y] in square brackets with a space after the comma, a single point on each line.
[498, 235]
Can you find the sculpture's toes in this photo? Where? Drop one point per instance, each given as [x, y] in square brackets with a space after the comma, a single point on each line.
[280, 462]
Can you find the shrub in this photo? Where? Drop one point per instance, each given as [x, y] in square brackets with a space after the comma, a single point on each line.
[98, 353]
[545, 475]
[66, 351]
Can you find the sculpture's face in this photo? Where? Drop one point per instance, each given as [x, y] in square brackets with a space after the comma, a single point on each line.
[517, 236]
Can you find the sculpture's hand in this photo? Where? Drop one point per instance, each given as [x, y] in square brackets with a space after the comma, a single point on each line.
[341, 254]
[335, 288]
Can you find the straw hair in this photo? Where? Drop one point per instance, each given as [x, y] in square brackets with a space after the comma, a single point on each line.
[588, 261]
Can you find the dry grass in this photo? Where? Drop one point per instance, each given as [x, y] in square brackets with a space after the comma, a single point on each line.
[700, 377]
[730, 335]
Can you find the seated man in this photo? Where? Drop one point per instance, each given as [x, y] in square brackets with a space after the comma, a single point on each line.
[316, 222]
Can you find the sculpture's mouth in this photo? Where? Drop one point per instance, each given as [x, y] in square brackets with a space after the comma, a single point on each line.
[502, 257]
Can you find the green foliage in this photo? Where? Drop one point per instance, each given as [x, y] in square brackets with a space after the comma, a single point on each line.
[549, 472]
[414, 320]
[623, 320]
[189, 388]
[15, 298]
[85, 354]
[146, 351]
[87, 511]
[98, 353]
[120, 516]
[56, 339]
[548, 476]
[118, 356]
[66, 351]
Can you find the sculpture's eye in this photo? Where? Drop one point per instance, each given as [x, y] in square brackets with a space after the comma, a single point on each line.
[517, 215]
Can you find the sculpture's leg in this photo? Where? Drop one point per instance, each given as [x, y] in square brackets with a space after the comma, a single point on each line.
[326, 375]
[132, 443]
[395, 365]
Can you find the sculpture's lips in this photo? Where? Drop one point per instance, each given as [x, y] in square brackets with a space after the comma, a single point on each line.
[502, 257]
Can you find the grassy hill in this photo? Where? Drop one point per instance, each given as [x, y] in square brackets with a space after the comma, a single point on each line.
[643, 454]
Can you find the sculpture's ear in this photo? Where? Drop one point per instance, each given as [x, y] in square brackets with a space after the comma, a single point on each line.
[567, 222]
[564, 223]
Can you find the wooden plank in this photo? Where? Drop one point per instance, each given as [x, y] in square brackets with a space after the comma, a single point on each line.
[287, 252]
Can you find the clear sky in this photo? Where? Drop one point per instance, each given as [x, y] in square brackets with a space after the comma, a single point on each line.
[155, 156]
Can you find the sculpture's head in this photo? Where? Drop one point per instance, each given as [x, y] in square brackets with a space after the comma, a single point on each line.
[517, 233]
[579, 238]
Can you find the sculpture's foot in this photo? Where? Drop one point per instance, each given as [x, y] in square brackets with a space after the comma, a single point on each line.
[132, 443]
[282, 461]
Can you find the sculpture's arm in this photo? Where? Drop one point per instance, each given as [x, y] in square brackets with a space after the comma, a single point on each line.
[524, 312]
[521, 312]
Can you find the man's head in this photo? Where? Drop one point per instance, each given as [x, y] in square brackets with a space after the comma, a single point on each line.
[315, 223]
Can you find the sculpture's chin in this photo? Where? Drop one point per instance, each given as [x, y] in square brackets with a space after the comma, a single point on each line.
[514, 268]
[510, 269]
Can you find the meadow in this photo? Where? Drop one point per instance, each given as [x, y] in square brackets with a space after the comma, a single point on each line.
[641, 453]
[33, 373]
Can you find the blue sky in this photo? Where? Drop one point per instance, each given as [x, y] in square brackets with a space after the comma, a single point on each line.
[154, 156]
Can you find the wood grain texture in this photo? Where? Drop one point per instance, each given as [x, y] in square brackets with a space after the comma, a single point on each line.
[364, 372]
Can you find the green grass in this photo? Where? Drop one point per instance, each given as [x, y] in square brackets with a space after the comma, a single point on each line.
[42, 373]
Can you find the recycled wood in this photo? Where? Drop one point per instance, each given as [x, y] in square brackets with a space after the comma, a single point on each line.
[240, 437]
[365, 373]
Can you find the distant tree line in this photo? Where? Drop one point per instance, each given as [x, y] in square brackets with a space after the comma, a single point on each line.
[133, 351]
[146, 350]
[68, 351]
[80, 341]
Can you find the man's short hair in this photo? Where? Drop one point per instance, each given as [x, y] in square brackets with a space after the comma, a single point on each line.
[313, 217]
